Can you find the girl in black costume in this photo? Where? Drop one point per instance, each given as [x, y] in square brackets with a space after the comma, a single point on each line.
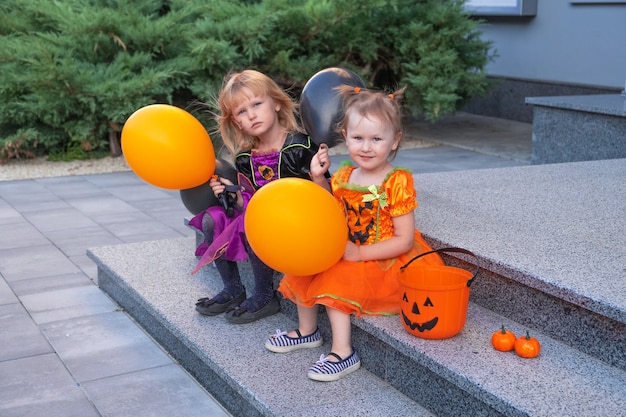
[258, 125]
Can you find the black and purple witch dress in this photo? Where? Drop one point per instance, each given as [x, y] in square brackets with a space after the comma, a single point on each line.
[254, 171]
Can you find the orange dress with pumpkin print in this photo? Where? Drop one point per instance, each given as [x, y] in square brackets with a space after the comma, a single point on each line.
[366, 287]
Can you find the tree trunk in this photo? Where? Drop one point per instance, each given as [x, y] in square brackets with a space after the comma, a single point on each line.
[114, 144]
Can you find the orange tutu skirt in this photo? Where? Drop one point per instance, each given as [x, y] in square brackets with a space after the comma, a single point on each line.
[360, 288]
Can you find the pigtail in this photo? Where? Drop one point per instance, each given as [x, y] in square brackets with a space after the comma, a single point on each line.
[397, 95]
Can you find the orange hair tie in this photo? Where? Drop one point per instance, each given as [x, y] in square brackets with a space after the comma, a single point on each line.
[391, 96]
[357, 90]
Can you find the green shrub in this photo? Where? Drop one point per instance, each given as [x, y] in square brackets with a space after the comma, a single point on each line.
[22, 144]
[72, 71]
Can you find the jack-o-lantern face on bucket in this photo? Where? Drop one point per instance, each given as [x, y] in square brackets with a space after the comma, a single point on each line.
[413, 317]
[435, 297]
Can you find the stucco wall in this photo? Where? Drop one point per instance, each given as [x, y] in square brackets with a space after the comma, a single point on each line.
[565, 43]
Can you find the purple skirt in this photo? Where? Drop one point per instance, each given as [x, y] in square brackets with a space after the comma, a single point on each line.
[228, 237]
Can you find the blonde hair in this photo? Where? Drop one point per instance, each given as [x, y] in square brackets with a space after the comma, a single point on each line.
[379, 104]
[232, 95]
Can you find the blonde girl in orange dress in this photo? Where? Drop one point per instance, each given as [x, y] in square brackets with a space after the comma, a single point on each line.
[378, 200]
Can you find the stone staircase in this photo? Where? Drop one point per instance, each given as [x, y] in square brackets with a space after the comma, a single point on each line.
[534, 276]
[578, 128]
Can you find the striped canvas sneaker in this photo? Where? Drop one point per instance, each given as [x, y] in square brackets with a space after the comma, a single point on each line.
[281, 343]
[326, 370]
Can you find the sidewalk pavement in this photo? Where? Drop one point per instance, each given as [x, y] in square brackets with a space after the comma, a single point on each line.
[68, 350]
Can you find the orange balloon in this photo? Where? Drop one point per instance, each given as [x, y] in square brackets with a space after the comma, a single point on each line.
[168, 147]
[296, 227]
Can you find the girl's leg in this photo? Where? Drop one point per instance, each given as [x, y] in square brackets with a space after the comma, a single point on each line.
[264, 302]
[207, 228]
[307, 320]
[306, 336]
[341, 331]
[233, 293]
[263, 282]
[341, 360]
[230, 297]
[228, 270]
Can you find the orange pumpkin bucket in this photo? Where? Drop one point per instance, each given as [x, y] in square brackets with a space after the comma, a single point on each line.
[435, 297]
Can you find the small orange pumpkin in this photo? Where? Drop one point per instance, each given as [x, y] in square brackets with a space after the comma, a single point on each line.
[503, 340]
[527, 347]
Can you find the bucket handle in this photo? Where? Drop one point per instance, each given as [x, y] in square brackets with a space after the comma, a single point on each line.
[443, 250]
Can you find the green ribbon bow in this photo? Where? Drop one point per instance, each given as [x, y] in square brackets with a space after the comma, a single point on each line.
[382, 197]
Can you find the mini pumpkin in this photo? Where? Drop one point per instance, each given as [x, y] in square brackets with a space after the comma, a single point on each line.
[503, 340]
[527, 347]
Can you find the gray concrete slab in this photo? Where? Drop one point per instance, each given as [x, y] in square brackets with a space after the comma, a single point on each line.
[67, 303]
[86, 266]
[8, 214]
[6, 294]
[38, 201]
[139, 192]
[149, 392]
[50, 283]
[101, 204]
[48, 293]
[33, 262]
[479, 134]
[103, 345]
[563, 222]
[59, 219]
[74, 241]
[140, 231]
[20, 234]
[41, 386]
[20, 336]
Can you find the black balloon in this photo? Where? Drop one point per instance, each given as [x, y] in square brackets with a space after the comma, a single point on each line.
[321, 105]
[200, 198]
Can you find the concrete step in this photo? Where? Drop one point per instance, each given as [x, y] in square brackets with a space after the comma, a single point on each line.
[464, 375]
[596, 328]
[551, 241]
[152, 282]
[401, 375]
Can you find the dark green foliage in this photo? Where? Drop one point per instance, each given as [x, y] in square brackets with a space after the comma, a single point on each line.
[431, 46]
[72, 71]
